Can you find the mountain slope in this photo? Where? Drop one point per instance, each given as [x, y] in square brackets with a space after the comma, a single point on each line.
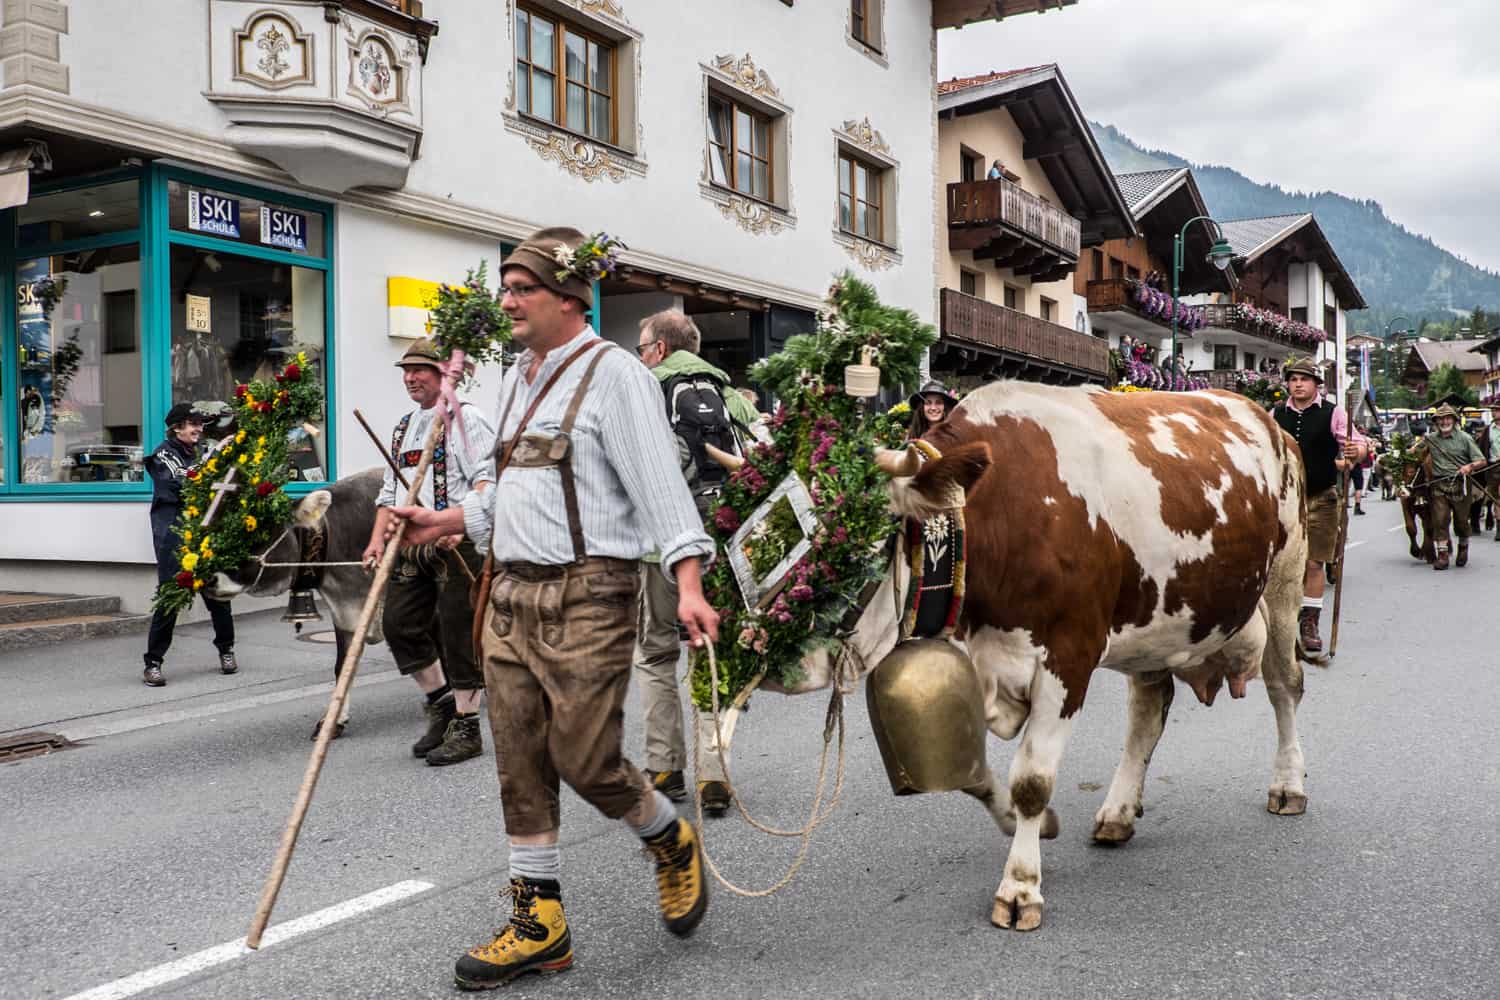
[1398, 271]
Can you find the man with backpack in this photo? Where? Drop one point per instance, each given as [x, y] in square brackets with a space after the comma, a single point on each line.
[703, 410]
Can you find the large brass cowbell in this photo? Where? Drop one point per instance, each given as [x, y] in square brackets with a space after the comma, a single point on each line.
[927, 710]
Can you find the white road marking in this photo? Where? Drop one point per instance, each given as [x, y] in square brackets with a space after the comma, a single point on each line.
[219, 954]
[115, 723]
[1396, 527]
[1355, 545]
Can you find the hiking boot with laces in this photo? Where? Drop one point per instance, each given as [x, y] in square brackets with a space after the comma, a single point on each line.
[669, 783]
[438, 717]
[227, 663]
[461, 742]
[680, 887]
[1307, 637]
[535, 940]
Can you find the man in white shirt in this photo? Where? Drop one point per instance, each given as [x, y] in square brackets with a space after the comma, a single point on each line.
[591, 486]
[428, 606]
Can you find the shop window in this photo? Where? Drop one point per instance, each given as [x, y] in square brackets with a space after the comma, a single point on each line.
[1224, 356]
[243, 219]
[565, 74]
[861, 200]
[80, 401]
[740, 151]
[79, 213]
[237, 318]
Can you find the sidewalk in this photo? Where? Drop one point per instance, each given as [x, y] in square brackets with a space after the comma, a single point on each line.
[91, 681]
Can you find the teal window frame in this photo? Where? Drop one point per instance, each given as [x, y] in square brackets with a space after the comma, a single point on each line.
[156, 239]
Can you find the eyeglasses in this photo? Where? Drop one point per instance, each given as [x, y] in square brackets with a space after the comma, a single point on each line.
[519, 290]
[640, 349]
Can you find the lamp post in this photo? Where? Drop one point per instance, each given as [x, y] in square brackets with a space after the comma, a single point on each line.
[1385, 345]
[1220, 256]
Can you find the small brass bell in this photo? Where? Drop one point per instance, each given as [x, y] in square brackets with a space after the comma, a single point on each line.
[301, 607]
[927, 710]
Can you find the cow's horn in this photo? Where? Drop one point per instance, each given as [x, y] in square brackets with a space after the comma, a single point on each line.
[899, 463]
[730, 462]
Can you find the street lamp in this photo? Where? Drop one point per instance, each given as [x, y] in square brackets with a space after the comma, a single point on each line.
[1220, 256]
[1385, 345]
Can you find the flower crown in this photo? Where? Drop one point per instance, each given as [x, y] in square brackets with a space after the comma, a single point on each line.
[595, 258]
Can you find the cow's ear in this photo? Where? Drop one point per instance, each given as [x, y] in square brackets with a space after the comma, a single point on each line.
[312, 508]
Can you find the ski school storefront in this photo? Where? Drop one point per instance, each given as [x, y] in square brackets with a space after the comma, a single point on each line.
[129, 292]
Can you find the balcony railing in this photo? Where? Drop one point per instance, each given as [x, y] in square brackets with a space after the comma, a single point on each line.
[1230, 317]
[999, 202]
[974, 320]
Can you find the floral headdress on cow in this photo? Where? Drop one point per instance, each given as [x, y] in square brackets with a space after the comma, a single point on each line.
[233, 504]
[827, 438]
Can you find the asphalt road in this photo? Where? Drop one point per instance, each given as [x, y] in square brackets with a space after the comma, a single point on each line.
[149, 843]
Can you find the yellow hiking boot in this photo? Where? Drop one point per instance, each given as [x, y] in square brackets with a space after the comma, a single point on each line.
[682, 892]
[535, 940]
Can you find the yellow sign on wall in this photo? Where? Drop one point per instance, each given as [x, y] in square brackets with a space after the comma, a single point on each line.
[407, 300]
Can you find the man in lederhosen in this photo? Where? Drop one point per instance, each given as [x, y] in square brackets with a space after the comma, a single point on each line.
[587, 484]
[1454, 457]
[1330, 444]
[428, 607]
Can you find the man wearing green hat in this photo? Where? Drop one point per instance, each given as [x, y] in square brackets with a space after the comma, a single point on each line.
[1329, 444]
[428, 607]
[586, 483]
[1454, 457]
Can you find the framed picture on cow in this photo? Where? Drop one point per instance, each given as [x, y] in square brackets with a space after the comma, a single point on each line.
[771, 541]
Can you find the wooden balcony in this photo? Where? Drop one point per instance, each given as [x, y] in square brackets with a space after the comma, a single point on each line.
[992, 339]
[1222, 317]
[1014, 228]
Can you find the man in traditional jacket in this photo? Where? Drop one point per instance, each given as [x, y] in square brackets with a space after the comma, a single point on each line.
[1330, 444]
[1454, 457]
[428, 607]
[587, 484]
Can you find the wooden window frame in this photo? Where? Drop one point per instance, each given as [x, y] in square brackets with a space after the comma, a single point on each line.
[875, 182]
[1048, 308]
[737, 107]
[559, 73]
[868, 14]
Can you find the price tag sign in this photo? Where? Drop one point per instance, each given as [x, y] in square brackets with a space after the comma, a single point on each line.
[199, 314]
[280, 227]
[214, 214]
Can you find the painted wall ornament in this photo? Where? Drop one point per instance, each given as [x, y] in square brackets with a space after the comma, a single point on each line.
[865, 135]
[747, 75]
[870, 256]
[270, 52]
[377, 75]
[579, 158]
[751, 216]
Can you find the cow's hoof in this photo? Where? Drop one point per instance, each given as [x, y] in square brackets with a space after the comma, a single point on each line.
[1016, 916]
[1285, 803]
[1111, 833]
[1416, 553]
[1051, 826]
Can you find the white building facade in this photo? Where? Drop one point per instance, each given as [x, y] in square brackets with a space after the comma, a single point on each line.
[202, 188]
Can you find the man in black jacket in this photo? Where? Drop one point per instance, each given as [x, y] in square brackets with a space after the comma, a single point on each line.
[167, 466]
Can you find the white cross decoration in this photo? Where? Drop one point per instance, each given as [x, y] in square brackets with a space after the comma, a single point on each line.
[221, 490]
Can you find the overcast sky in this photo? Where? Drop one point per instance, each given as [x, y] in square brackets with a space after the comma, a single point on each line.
[1385, 99]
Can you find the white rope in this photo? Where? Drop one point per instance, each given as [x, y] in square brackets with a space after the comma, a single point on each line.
[817, 814]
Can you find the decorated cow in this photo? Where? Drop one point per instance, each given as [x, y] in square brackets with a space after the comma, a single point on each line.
[1160, 535]
[327, 525]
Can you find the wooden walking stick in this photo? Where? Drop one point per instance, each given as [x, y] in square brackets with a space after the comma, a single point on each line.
[1343, 535]
[400, 478]
[335, 705]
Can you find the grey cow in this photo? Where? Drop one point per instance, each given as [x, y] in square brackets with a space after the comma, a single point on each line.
[344, 514]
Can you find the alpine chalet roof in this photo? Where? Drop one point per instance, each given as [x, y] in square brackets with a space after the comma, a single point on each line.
[1056, 135]
[1458, 353]
[1138, 188]
[1253, 239]
[957, 13]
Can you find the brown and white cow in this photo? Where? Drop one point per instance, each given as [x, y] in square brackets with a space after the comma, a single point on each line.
[1161, 535]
